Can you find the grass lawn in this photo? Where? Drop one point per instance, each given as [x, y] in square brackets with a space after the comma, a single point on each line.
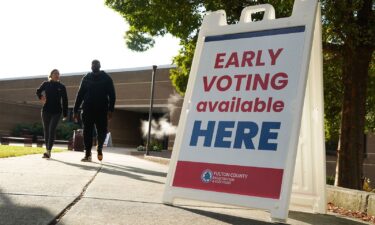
[12, 151]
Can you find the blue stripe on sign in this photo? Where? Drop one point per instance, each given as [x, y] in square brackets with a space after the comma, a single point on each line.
[255, 34]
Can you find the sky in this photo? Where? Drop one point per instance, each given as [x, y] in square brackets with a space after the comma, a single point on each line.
[37, 36]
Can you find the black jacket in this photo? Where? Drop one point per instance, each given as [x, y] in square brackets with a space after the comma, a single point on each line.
[96, 92]
[55, 92]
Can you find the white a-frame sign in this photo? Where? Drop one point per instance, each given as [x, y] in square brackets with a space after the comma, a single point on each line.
[239, 129]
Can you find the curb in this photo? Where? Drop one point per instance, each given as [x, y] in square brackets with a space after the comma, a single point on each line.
[352, 199]
[157, 159]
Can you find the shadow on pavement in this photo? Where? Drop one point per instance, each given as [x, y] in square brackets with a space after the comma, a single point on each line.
[321, 219]
[87, 166]
[114, 170]
[235, 220]
[136, 170]
[15, 214]
[133, 152]
[305, 218]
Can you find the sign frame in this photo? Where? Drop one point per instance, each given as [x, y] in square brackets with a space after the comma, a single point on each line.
[214, 24]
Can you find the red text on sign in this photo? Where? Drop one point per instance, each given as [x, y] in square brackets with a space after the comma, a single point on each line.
[246, 82]
[246, 58]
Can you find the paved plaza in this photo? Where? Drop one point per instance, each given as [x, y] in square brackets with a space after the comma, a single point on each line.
[123, 189]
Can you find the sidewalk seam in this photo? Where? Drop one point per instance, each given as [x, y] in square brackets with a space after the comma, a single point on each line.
[36, 195]
[59, 216]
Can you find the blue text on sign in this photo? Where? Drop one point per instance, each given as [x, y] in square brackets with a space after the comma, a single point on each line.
[244, 133]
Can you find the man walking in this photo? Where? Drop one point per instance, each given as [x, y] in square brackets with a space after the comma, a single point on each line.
[98, 96]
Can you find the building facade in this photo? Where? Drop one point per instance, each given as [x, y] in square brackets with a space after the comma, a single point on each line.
[19, 103]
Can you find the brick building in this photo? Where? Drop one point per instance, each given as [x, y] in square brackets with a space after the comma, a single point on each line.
[19, 104]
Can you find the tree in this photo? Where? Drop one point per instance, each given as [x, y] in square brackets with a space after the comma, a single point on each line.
[348, 41]
[182, 19]
[349, 28]
[333, 93]
[370, 103]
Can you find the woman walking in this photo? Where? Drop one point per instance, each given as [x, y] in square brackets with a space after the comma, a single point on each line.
[53, 95]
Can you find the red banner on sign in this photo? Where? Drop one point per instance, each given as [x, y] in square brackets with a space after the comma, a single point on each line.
[242, 180]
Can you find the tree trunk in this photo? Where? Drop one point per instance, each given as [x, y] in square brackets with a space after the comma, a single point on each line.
[350, 152]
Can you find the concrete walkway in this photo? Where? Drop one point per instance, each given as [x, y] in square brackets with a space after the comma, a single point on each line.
[122, 190]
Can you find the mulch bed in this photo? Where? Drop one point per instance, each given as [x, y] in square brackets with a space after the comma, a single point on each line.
[349, 213]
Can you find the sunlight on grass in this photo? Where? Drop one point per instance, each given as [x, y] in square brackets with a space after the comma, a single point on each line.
[12, 151]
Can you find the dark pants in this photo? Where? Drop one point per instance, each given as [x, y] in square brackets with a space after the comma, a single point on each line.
[91, 118]
[50, 121]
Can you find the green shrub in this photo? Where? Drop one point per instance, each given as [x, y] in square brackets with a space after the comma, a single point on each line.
[155, 145]
[330, 180]
[35, 129]
[18, 129]
[64, 130]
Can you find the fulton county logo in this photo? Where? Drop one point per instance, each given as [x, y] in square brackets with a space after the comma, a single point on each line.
[206, 176]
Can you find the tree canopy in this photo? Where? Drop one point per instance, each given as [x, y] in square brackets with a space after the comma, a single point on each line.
[182, 19]
[348, 44]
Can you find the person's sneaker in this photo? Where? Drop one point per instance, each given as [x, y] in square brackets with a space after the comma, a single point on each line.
[86, 159]
[100, 154]
[46, 155]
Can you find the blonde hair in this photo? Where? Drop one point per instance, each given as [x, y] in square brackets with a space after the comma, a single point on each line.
[50, 74]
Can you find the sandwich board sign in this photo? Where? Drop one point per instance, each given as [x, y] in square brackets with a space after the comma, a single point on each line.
[239, 127]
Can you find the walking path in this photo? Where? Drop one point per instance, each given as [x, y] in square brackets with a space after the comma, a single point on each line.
[122, 190]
